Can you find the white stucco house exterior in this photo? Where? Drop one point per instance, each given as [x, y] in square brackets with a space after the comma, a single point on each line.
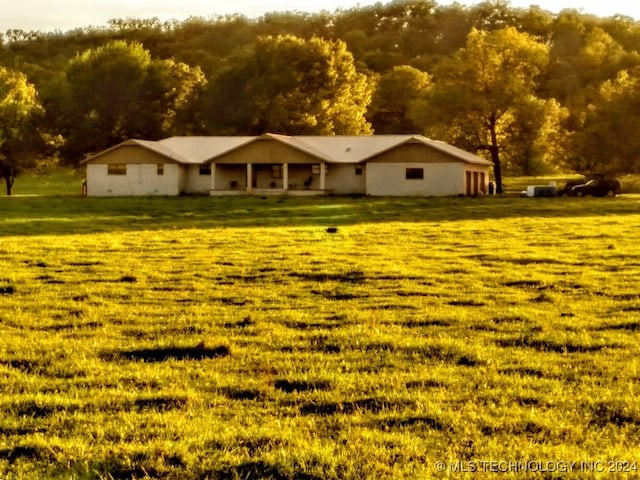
[393, 165]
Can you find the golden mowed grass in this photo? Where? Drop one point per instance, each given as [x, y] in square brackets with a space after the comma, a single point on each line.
[201, 338]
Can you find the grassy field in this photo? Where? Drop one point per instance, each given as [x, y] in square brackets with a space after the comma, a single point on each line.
[238, 338]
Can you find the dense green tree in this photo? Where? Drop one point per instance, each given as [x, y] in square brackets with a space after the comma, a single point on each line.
[395, 94]
[20, 110]
[206, 43]
[537, 22]
[478, 92]
[402, 32]
[493, 15]
[582, 56]
[117, 91]
[534, 139]
[298, 24]
[606, 142]
[624, 30]
[601, 57]
[454, 24]
[289, 85]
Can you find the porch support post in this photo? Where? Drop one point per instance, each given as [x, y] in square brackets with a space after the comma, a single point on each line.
[323, 172]
[213, 177]
[249, 177]
[285, 177]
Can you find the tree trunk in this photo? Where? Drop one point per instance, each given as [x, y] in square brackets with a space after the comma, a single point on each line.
[495, 155]
[9, 182]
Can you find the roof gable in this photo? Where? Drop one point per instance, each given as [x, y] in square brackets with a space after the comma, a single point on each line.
[350, 149]
[463, 155]
[289, 141]
[150, 145]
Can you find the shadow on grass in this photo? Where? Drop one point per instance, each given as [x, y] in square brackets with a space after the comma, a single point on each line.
[123, 468]
[353, 276]
[33, 409]
[544, 345]
[632, 326]
[291, 386]
[28, 452]
[24, 365]
[235, 393]
[523, 372]
[369, 405]
[258, 469]
[160, 403]
[519, 428]
[420, 421]
[615, 413]
[162, 354]
[7, 289]
[70, 214]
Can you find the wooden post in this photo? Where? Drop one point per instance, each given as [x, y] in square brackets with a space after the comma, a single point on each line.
[285, 177]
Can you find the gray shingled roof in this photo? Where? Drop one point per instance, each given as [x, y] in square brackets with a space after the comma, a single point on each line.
[331, 149]
[200, 149]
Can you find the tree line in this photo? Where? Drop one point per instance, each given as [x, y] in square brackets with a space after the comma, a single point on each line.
[531, 90]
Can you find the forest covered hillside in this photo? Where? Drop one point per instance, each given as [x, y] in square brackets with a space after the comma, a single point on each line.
[531, 90]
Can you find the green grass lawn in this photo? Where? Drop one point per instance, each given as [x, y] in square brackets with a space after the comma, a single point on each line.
[49, 181]
[235, 338]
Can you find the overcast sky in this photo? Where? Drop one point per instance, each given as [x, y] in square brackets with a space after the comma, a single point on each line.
[47, 15]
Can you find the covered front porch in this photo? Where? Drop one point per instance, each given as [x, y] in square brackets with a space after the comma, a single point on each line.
[268, 179]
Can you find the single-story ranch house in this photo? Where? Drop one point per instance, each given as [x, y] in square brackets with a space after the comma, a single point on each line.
[399, 165]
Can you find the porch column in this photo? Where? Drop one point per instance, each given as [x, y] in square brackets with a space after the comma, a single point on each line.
[213, 177]
[285, 177]
[249, 177]
[323, 171]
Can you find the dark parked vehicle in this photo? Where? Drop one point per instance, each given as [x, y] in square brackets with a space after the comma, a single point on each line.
[569, 185]
[597, 187]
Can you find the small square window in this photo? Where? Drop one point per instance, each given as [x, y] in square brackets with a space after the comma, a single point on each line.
[276, 171]
[117, 169]
[315, 169]
[414, 174]
[359, 169]
[160, 169]
[205, 169]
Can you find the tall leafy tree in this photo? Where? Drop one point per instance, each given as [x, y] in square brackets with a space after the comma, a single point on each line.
[20, 110]
[600, 145]
[478, 93]
[117, 91]
[582, 56]
[289, 85]
[535, 137]
[394, 98]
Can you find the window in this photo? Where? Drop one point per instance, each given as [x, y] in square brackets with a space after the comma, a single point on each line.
[414, 174]
[359, 169]
[160, 169]
[315, 169]
[117, 169]
[276, 171]
[205, 169]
